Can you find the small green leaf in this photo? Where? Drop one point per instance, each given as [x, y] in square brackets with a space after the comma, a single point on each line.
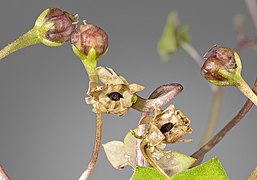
[122, 154]
[167, 44]
[145, 173]
[209, 170]
[173, 36]
[182, 35]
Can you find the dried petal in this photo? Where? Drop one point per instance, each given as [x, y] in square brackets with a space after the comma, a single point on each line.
[115, 96]
[172, 124]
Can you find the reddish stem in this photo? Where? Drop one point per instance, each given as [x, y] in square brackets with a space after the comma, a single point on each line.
[94, 156]
[199, 154]
[3, 174]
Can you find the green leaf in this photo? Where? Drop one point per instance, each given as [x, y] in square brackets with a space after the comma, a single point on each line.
[182, 35]
[173, 36]
[122, 154]
[145, 173]
[167, 44]
[209, 170]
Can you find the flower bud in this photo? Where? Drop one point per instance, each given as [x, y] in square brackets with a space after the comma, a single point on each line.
[59, 25]
[220, 59]
[87, 37]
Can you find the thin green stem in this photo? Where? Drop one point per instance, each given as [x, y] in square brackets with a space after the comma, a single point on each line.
[27, 39]
[247, 91]
[237, 81]
[91, 70]
[89, 62]
[215, 107]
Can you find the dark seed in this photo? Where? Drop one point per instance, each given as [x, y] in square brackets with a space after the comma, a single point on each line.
[115, 96]
[166, 127]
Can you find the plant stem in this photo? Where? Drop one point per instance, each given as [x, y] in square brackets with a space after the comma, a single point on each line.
[3, 174]
[252, 8]
[27, 39]
[149, 158]
[140, 131]
[197, 58]
[172, 90]
[199, 154]
[216, 90]
[193, 53]
[169, 91]
[215, 107]
[247, 91]
[91, 70]
[94, 156]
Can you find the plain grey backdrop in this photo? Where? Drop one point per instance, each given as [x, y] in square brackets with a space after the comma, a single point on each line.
[47, 130]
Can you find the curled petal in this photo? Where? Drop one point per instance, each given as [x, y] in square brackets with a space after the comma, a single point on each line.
[103, 74]
[135, 88]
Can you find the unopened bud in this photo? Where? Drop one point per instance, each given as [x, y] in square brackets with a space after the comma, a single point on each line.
[220, 59]
[59, 25]
[87, 37]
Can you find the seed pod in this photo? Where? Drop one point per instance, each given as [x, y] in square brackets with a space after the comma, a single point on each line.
[114, 96]
[89, 36]
[168, 126]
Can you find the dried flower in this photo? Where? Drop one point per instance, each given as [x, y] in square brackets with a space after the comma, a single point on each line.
[89, 36]
[114, 96]
[168, 126]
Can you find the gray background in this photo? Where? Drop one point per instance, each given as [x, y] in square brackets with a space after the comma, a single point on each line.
[47, 130]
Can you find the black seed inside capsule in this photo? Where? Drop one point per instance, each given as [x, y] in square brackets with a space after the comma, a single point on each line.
[166, 127]
[115, 96]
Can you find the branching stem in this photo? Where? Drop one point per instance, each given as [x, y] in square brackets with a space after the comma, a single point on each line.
[199, 154]
[170, 91]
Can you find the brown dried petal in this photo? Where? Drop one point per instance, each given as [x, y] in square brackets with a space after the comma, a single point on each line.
[155, 136]
[115, 96]
[173, 124]
[103, 74]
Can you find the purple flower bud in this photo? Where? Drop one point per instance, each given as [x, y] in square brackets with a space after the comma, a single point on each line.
[220, 59]
[64, 24]
[87, 37]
